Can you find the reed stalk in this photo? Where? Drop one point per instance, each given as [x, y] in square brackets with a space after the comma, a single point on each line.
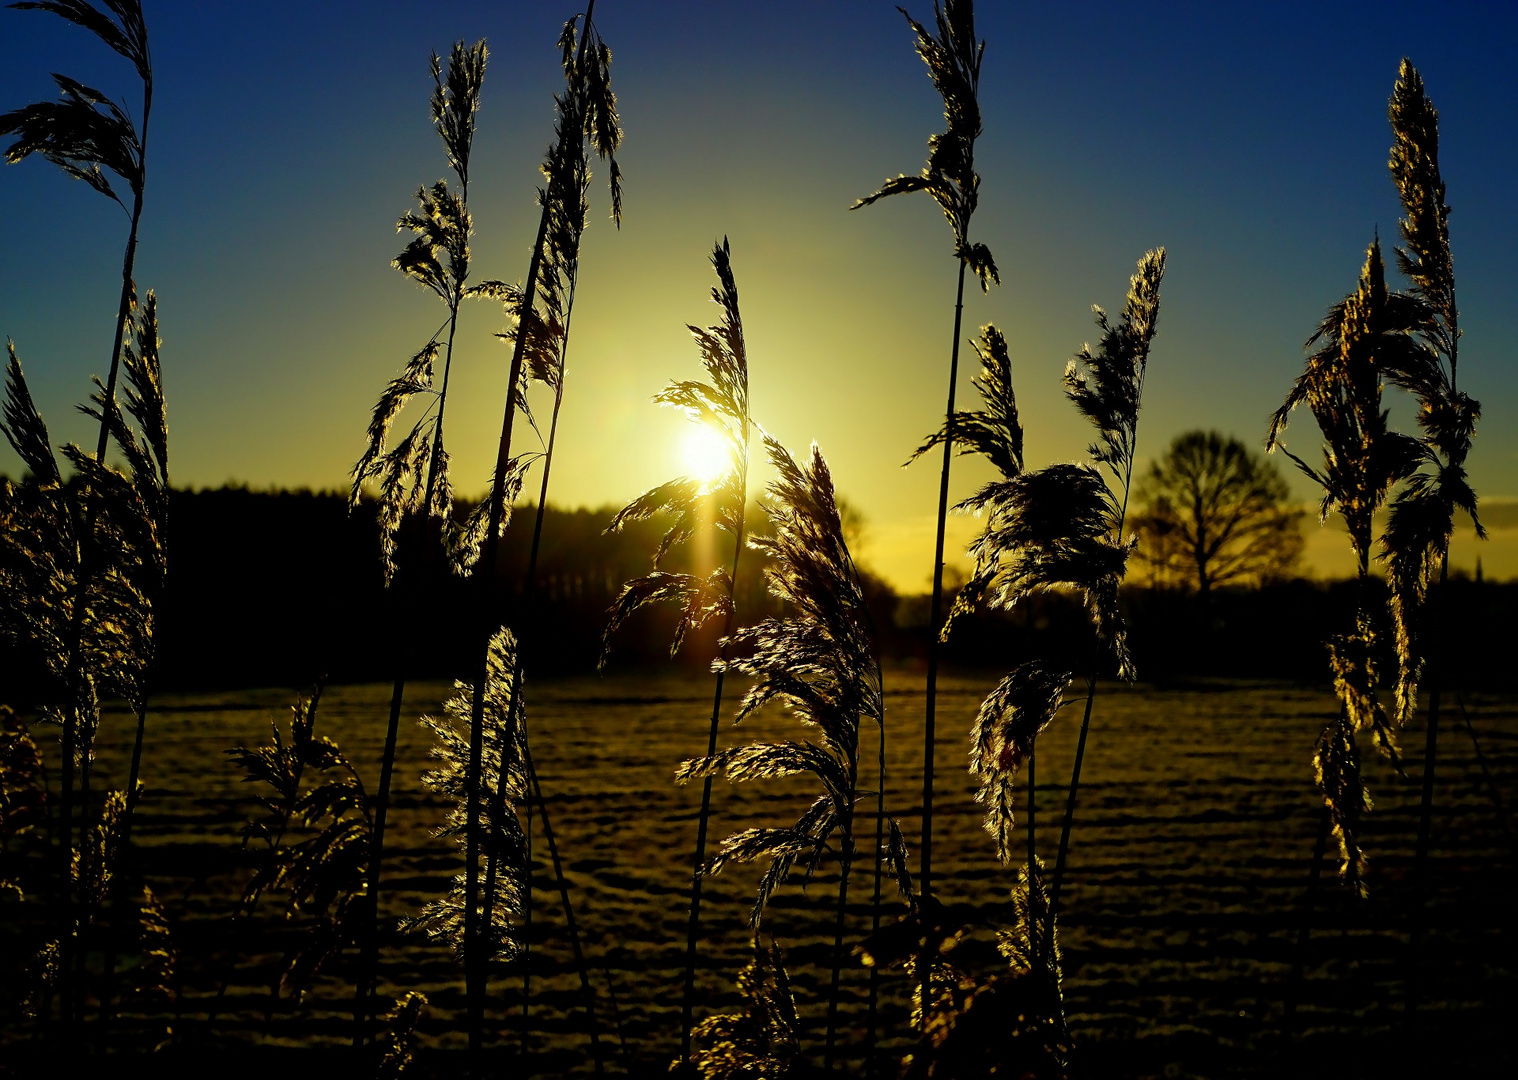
[1366, 338]
[821, 663]
[721, 405]
[80, 133]
[555, 372]
[443, 226]
[1421, 522]
[953, 57]
[587, 110]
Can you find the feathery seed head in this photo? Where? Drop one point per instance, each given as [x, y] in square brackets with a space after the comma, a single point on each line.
[819, 662]
[455, 103]
[953, 58]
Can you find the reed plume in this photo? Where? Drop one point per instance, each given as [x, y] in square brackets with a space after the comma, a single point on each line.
[1368, 334]
[23, 795]
[399, 1038]
[544, 325]
[587, 114]
[721, 406]
[820, 663]
[86, 135]
[1060, 527]
[326, 871]
[413, 476]
[502, 768]
[759, 1041]
[953, 57]
[1422, 517]
[82, 565]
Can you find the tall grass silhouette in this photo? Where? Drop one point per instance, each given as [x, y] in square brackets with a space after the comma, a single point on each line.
[761, 1040]
[323, 864]
[82, 564]
[544, 328]
[1422, 517]
[953, 58]
[413, 475]
[1363, 337]
[501, 769]
[721, 406]
[587, 112]
[1058, 527]
[86, 134]
[820, 662]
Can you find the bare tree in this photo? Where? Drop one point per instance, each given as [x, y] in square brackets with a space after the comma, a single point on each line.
[1214, 513]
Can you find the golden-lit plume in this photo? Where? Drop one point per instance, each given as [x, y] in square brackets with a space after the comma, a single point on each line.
[820, 663]
[1416, 542]
[1060, 527]
[994, 432]
[720, 405]
[413, 475]
[1362, 340]
[398, 1041]
[324, 865]
[502, 771]
[759, 1041]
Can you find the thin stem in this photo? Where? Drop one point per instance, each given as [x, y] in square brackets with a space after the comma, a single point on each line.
[108, 970]
[527, 932]
[870, 1065]
[1486, 773]
[925, 960]
[1080, 746]
[586, 990]
[1069, 820]
[843, 898]
[369, 958]
[693, 925]
[1426, 803]
[474, 961]
[1294, 980]
[513, 712]
[474, 966]
[1032, 845]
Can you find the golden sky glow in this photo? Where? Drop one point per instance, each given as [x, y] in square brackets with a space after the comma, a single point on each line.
[270, 229]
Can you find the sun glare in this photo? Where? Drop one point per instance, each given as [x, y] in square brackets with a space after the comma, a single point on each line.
[706, 454]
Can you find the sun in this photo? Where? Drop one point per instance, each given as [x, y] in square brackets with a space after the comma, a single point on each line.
[706, 454]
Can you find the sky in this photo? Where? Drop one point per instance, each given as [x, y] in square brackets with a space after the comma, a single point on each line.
[286, 138]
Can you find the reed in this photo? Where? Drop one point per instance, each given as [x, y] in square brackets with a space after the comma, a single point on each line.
[1060, 527]
[820, 663]
[1422, 517]
[587, 66]
[85, 134]
[953, 58]
[545, 324]
[413, 476]
[761, 1040]
[315, 789]
[1368, 334]
[502, 767]
[721, 406]
[81, 566]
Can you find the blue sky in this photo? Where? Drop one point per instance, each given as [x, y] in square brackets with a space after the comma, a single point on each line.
[1250, 140]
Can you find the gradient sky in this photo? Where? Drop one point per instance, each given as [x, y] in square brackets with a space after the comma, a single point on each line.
[1250, 140]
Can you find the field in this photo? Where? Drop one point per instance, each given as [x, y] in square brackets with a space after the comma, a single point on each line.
[1188, 871]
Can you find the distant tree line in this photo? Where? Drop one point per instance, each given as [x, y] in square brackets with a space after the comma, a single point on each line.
[280, 587]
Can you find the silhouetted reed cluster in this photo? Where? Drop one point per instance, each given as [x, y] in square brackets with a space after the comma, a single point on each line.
[85, 568]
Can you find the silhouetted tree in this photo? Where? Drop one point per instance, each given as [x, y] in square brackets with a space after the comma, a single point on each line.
[1213, 513]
